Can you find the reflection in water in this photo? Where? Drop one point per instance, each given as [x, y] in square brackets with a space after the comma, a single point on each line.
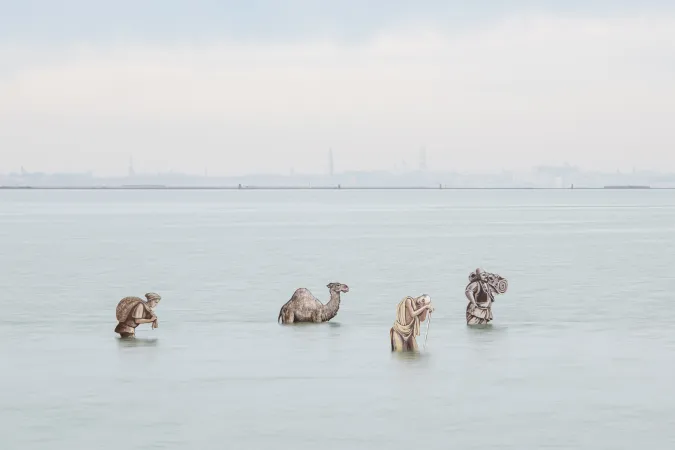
[311, 327]
[137, 342]
[410, 356]
[488, 328]
[312, 324]
[407, 356]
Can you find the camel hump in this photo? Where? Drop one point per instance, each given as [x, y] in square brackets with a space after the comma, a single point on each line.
[125, 306]
[301, 292]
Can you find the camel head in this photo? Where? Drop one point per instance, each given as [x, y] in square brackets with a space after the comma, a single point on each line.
[337, 287]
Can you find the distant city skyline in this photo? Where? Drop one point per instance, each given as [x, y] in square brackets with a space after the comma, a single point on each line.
[565, 176]
[328, 169]
[238, 88]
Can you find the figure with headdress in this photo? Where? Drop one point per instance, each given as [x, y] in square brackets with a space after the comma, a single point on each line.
[481, 291]
[410, 313]
[134, 311]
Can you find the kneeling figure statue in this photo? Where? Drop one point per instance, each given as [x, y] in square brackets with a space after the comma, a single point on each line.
[133, 311]
[481, 291]
[410, 313]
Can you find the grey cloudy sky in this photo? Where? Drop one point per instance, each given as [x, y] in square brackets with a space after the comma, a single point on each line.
[265, 86]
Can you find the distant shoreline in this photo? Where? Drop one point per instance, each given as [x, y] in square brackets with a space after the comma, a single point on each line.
[302, 188]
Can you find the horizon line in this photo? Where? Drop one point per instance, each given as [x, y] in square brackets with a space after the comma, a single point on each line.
[332, 187]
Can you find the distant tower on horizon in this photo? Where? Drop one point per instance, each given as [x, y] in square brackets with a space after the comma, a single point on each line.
[331, 167]
[423, 159]
[131, 167]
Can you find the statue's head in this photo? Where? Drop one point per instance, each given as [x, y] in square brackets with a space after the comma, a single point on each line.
[153, 299]
[422, 300]
[478, 274]
[337, 287]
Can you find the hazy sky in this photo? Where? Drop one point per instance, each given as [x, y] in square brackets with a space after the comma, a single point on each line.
[266, 86]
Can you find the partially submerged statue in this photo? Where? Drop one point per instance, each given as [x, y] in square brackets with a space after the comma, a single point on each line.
[304, 307]
[481, 291]
[133, 311]
[410, 313]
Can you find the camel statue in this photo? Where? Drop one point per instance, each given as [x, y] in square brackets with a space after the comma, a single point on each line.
[304, 307]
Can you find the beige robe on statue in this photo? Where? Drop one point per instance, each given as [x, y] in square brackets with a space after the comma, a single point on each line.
[407, 331]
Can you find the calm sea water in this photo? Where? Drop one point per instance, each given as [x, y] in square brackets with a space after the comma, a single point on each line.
[581, 354]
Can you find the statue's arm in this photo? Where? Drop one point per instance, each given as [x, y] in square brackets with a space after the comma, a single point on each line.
[470, 291]
[412, 311]
[138, 314]
[140, 321]
[428, 308]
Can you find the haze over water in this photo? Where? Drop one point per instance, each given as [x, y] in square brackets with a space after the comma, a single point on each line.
[580, 354]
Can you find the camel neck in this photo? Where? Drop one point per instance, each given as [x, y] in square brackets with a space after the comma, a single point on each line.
[330, 309]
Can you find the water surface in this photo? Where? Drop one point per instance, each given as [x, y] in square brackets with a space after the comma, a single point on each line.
[580, 356]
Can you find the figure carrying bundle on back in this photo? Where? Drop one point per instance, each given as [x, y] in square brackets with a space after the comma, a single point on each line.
[481, 292]
[133, 311]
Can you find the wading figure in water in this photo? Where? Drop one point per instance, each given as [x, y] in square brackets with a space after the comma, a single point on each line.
[481, 292]
[410, 313]
[133, 311]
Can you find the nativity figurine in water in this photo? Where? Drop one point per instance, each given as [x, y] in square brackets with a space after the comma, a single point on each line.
[410, 314]
[134, 311]
[480, 292]
[304, 307]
